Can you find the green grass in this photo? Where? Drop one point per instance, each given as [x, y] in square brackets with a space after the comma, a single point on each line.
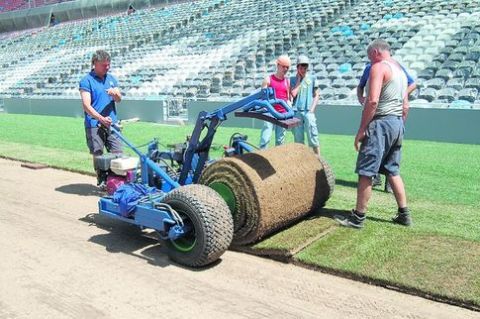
[438, 256]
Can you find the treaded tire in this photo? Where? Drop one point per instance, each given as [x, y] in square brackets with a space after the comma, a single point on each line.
[211, 221]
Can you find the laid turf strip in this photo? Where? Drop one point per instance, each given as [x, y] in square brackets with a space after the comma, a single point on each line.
[443, 267]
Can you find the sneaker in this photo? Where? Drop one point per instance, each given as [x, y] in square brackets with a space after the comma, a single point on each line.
[354, 220]
[403, 219]
[377, 180]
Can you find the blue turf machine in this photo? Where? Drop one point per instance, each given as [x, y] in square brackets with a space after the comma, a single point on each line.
[193, 220]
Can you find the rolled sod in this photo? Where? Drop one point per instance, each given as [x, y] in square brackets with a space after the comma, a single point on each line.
[270, 189]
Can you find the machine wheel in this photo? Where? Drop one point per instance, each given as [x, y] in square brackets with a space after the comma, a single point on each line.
[209, 221]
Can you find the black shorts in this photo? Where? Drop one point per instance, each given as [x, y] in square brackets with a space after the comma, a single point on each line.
[100, 138]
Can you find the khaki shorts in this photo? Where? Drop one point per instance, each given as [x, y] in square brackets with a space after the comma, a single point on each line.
[100, 138]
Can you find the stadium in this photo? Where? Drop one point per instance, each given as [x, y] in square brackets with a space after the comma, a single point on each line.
[177, 60]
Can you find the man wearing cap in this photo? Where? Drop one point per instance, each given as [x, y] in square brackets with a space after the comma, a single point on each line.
[99, 92]
[305, 99]
[280, 83]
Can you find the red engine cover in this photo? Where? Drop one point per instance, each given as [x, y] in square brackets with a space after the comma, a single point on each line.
[114, 182]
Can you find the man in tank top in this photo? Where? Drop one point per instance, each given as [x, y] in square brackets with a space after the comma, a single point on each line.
[280, 83]
[377, 180]
[380, 135]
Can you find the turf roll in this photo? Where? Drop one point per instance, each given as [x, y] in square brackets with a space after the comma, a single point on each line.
[270, 189]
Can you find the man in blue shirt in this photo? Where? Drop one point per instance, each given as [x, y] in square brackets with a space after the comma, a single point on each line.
[99, 92]
[377, 180]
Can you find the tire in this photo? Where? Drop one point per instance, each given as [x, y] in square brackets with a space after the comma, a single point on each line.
[210, 221]
[225, 175]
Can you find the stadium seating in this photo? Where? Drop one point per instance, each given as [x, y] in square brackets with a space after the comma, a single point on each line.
[12, 5]
[222, 49]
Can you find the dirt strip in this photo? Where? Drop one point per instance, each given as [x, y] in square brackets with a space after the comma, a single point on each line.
[59, 259]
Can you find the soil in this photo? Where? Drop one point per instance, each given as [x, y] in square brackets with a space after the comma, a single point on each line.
[60, 259]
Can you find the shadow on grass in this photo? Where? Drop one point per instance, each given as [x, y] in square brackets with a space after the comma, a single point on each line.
[81, 189]
[330, 213]
[381, 220]
[376, 188]
[129, 239]
[346, 183]
[342, 214]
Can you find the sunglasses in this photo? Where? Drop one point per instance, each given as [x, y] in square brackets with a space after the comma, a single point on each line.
[303, 65]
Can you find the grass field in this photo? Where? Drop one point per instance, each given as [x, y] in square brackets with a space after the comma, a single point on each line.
[438, 257]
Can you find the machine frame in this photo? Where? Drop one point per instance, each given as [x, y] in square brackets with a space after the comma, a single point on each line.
[151, 211]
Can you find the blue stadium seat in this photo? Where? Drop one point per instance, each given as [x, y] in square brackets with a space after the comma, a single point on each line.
[455, 83]
[446, 95]
[436, 83]
[445, 74]
[428, 94]
[473, 83]
[323, 84]
[469, 94]
[426, 74]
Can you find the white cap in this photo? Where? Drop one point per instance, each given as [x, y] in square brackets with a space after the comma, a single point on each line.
[303, 59]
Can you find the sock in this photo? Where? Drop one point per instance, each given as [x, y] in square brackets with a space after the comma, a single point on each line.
[403, 210]
[359, 214]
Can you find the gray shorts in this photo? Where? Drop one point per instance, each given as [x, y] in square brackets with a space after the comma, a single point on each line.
[381, 150]
[98, 138]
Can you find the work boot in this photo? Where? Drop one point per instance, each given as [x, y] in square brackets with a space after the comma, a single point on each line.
[403, 217]
[102, 180]
[102, 186]
[388, 188]
[355, 220]
[377, 180]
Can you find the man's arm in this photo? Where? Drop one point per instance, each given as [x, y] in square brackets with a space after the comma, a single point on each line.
[265, 83]
[289, 93]
[376, 80]
[406, 107]
[360, 97]
[410, 81]
[298, 83]
[316, 98]
[88, 108]
[411, 88]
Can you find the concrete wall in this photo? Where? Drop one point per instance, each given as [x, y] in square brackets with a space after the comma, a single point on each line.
[148, 111]
[442, 125]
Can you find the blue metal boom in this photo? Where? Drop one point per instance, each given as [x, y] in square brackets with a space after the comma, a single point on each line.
[258, 103]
